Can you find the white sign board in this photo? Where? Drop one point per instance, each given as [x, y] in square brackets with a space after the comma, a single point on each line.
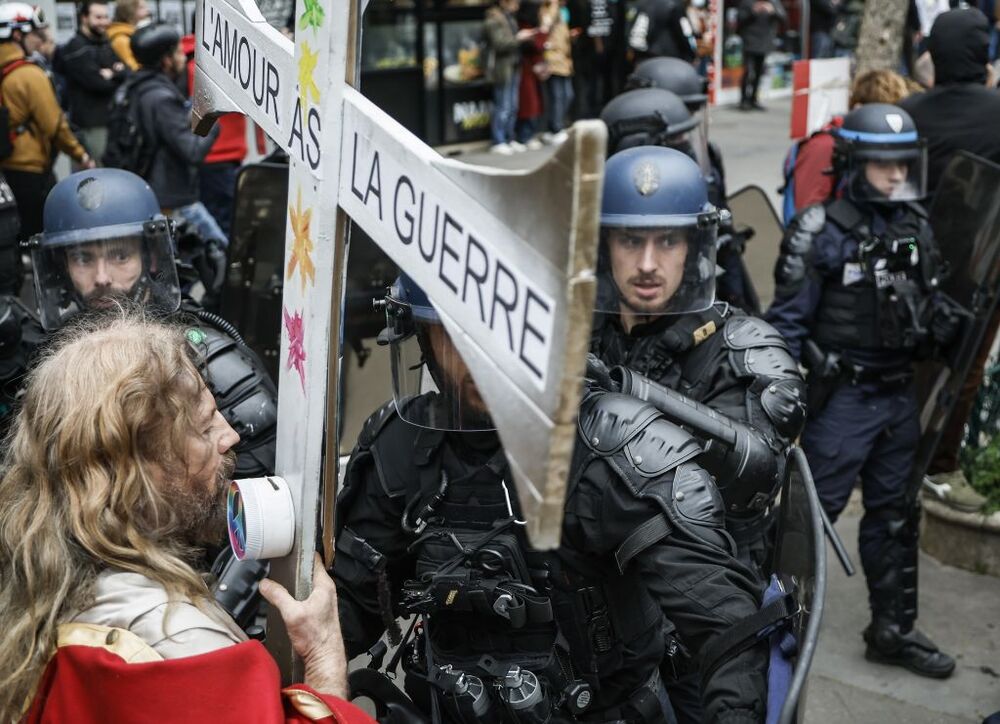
[507, 257]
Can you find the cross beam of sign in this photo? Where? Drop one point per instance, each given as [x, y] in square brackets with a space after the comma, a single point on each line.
[506, 257]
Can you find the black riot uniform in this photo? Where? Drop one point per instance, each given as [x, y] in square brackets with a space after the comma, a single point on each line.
[738, 365]
[427, 525]
[857, 302]
[709, 352]
[100, 220]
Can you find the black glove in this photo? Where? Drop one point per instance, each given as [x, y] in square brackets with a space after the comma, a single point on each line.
[947, 316]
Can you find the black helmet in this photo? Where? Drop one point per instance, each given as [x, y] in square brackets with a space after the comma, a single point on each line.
[882, 135]
[103, 236]
[151, 42]
[425, 363]
[674, 75]
[646, 117]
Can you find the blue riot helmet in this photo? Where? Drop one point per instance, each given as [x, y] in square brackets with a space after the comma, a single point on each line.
[103, 239]
[658, 235]
[646, 117]
[679, 77]
[431, 384]
[880, 156]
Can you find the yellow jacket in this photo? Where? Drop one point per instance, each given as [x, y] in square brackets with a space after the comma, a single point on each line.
[558, 48]
[120, 37]
[35, 116]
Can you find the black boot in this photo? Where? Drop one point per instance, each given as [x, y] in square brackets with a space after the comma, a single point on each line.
[912, 650]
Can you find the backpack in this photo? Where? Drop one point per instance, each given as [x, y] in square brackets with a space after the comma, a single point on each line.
[788, 172]
[8, 134]
[128, 146]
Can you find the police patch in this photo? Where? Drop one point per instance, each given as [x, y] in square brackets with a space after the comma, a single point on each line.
[646, 178]
[90, 193]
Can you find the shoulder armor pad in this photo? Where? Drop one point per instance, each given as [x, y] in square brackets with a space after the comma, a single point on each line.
[609, 420]
[660, 447]
[784, 403]
[746, 332]
[392, 443]
[845, 214]
[244, 394]
[796, 245]
[811, 219]
[375, 422]
[696, 497]
[759, 350]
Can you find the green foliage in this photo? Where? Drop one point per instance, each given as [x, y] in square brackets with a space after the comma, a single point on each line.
[982, 468]
[981, 453]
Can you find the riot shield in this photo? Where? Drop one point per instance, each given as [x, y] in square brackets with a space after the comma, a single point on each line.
[251, 299]
[799, 562]
[965, 217]
[755, 219]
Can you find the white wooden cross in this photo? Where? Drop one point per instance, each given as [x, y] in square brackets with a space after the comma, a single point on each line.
[506, 257]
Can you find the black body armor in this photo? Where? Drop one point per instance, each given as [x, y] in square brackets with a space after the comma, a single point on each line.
[497, 616]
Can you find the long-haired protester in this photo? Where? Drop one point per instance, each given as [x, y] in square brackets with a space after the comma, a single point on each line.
[114, 478]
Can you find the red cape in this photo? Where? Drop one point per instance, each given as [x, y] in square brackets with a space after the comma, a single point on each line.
[238, 684]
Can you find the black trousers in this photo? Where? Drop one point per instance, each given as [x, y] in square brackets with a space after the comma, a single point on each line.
[30, 190]
[753, 69]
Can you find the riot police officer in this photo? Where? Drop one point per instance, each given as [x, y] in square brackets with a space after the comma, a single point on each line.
[658, 317]
[427, 526]
[653, 116]
[104, 239]
[856, 302]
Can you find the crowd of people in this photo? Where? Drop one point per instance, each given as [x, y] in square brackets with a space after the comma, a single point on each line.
[127, 407]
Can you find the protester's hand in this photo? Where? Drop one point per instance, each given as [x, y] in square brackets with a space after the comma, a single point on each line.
[118, 67]
[526, 33]
[313, 628]
[87, 162]
[106, 73]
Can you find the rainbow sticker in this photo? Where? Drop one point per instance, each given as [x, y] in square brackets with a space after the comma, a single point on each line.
[236, 520]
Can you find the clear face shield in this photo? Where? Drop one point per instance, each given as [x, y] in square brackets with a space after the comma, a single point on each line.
[95, 268]
[649, 271]
[431, 385]
[698, 138]
[887, 174]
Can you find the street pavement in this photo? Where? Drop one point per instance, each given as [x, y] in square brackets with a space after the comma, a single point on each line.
[959, 610]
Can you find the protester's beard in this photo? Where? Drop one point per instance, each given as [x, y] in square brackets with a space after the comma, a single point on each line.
[201, 514]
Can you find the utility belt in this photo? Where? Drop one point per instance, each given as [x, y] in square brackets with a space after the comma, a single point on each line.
[827, 371]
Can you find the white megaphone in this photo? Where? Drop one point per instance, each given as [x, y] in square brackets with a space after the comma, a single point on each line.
[260, 517]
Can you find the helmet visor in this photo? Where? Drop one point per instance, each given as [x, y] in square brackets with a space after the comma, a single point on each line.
[130, 263]
[431, 384]
[699, 142]
[646, 271]
[893, 174]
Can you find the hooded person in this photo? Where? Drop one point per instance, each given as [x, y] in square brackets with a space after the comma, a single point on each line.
[960, 112]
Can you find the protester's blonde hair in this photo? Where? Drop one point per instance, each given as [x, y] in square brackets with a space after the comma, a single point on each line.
[125, 11]
[878, 86]
[106, 415]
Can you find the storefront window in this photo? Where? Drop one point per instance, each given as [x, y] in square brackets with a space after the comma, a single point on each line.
[390, 38]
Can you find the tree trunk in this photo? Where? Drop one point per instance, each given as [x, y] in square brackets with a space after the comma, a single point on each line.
[880, 43]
